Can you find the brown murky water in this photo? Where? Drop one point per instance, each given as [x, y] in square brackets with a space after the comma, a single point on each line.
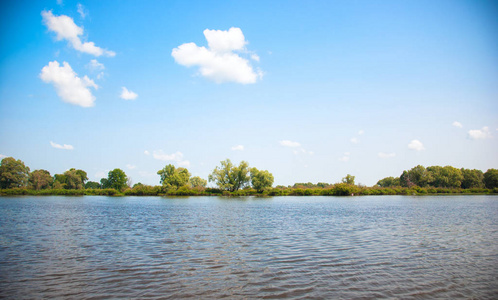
[282, 247]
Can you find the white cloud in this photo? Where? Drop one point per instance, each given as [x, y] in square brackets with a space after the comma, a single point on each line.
[2, 156]
[290, 144]
[95, 65]
[82, 10]
[238, 148]
[127, 95]
[361, 132]
[386, 155]
[69, 86]
[64, 147]
[66, 29]
[354, 140]
[219, 62]
[416, 145]
[146, 152]
[345, 157]
[59, 2]
[457, 124]
[131, 167]
[480, 134]
[255, 57]
[175, 157]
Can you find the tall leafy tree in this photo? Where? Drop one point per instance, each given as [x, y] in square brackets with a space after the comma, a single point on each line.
[13, 173]
[261, 180]
[72, 179]
[92, 185]
[40, 179]
[116, 179]
[229, 177]
[172, 177]
[444, 176]
[491, 178]
[197, 182]
[472, 178]
[349, 179]
[388, 182]
[415, 176]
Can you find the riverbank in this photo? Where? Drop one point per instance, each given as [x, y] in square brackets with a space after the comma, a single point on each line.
[335, 190]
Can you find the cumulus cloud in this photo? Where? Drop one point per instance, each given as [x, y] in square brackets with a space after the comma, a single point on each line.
[176, 157]
[127, 95]
[416, 145]
[238, 148]
[386, 155]
[361, 132]
[291, 144]
[146, 152]
[131, 167]
[457, 124]
[68, 85]
[480, 134]
[354, 140]
[66, 29]
[219, 62]
[64, 147]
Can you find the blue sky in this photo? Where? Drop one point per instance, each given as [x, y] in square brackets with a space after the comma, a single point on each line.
[309, 90]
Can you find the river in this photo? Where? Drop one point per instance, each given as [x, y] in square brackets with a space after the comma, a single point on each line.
[281, 247]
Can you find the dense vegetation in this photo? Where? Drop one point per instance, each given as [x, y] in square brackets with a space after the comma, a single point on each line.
[241, 180]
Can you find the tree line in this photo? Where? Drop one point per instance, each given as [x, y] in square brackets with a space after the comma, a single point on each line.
[239, 180]
[443, 177]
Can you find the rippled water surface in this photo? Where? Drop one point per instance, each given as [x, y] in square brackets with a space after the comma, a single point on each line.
[282, 247]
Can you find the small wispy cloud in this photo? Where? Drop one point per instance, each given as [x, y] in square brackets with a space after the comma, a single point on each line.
[176, 157]
[457, 124]
[2, 156]
[416, 145]
[386, 155]
[82, 10]
[291, 144]
[480, 134]
[361, 132]
[131, 167]
[127, 94]
[345, 157]
[64, 147]
[146, 152]
[354, 140]
[238, 148]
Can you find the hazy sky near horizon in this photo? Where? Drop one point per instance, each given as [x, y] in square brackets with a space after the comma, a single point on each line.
[309, 90]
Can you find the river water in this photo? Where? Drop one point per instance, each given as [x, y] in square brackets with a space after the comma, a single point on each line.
[282, 247]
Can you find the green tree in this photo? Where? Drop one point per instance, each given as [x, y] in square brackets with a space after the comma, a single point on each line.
[197, 182]
[75, 179]
[39, 180]
[349, 179]
[104, 183]
[261, 180]
[415, 176]
[116, 179]
[13, 173]
[388, 182]
[472, 178]
[92, 185]
[229, 177]
[172, 177]
[447, 176]
[491, 178]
